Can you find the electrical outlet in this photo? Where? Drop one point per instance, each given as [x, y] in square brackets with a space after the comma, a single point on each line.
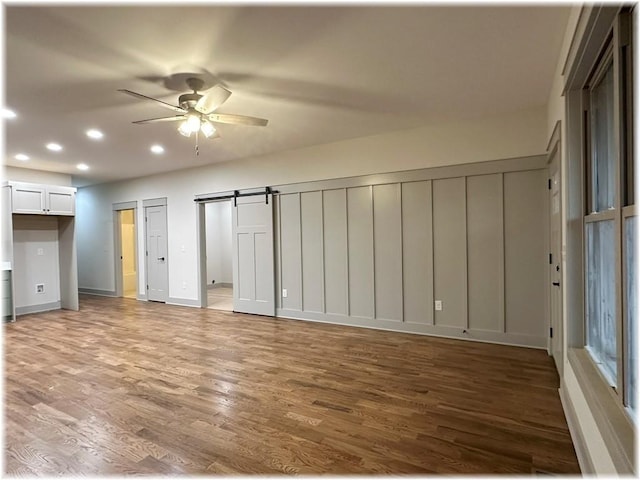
[284, 293]
[184, 285]
[40, 251]
[438, 305]
[39, 287]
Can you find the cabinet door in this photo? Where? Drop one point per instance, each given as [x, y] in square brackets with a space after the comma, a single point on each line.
[60, 201]
[28, 199]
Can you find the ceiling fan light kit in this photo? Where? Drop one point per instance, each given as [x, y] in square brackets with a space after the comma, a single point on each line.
[207, 129]
[196, 111]
[184, 129]
[193, 121]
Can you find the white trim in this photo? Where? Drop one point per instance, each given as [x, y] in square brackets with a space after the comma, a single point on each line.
[577, 438]
[183, 302]
[475, 335]
[535, 162]
[155, 202]
[125, 205]
[43, 307]
[95, 291]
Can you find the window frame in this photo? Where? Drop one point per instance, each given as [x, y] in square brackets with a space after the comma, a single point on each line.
[609, 56]
[600, 28]
[615, 51]
[628, 211]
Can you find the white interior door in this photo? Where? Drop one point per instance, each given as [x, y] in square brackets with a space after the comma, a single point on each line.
[253, 277]
[156, 238]
[555, 263]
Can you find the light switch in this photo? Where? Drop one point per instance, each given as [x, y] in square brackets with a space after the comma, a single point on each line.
[284, 293]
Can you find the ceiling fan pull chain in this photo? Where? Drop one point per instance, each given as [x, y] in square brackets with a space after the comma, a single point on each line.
[197, 149]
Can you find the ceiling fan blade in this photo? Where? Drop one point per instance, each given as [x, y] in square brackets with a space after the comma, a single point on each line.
[237, 119]
[160, 102]
[161, 119]
[211, 100]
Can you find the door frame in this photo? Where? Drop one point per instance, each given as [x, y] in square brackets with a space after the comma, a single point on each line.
[117, 247]
[201, 225]
[153, 202]
[201, 239]
[554, 161]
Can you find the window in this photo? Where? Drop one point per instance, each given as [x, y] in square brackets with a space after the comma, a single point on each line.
[601, 226]
[609, 217]
[603, 143]
[631, 371]
[601, 297]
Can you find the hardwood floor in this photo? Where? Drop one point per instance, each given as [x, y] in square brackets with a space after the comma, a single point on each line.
[220, 298]
[125, 387]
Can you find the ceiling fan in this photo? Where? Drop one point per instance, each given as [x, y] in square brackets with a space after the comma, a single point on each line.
[197, 111]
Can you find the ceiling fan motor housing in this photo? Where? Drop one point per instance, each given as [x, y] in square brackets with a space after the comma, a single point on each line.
[189, 100]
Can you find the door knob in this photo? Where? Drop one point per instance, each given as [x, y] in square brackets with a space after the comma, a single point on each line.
[556, 284]
[161, 258]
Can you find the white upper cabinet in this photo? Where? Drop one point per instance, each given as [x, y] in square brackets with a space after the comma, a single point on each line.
[37, 199]
[60, 200]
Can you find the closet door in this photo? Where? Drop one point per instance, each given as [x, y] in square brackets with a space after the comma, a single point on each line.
[157, 271]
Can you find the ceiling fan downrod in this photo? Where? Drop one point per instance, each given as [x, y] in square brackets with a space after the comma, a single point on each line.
[195, 84]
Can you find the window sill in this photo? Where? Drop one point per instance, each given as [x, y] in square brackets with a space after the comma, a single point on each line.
[615, 425]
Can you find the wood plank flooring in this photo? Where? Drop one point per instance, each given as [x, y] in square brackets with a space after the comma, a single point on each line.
[220, 298]
[128, 387]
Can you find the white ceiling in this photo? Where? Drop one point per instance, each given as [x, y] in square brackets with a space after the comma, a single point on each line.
[319, 74]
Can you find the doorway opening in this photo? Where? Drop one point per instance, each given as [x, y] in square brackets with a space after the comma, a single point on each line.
[128, 253]
[219, 255]
[126, 250]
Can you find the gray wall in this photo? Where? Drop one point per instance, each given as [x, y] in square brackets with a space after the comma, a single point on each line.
[378, 252]
[36, 260]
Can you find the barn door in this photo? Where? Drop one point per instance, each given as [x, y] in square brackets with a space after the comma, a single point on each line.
[253, 270]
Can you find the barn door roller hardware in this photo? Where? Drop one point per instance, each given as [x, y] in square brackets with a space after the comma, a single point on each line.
[235, 194]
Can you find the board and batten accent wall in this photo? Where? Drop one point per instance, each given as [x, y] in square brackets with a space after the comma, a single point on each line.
[378, 251]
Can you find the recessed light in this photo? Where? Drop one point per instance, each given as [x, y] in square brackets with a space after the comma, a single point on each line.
[95, 134]
[22, 157]
[157, 149]
[54, 147]
[82, 166]
[6, 113]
